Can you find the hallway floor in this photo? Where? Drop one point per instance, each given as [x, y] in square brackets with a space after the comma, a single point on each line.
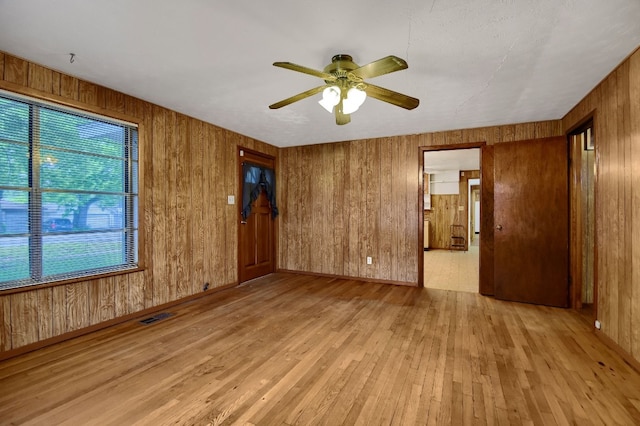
[452, 270]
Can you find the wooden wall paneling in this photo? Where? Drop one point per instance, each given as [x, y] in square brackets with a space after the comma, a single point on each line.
[525, 131]
[398, 176]
[24, 318]
[609, 211]
[45, 313]
[342, 175]
[328, 200]
[121, 295]
[40, 78]
[399, 201]
[159, 220]
[443, 214]
[115, 101]
[223, 172]
[69, 87]
[624, 211]
[170, 180]
[317, 179]
[95, 303]
[228, 173]
[2, 66]
[230, 142]
[634, 170]
[148, 176]
[135, 290]
[508, 133]
[372, 207]
[5, 323]
[133, 107]
[412, 192]
[289, 221]
[229, 214]
[59, 310]
[212, 241]
[16, 70]
[295, 230]
[463, 195]
[386, 227]
[283, 186]
[77, 306]
[183, 233]
[214, 237]
[356, 210]
[56, 78]
[88, 93]
[101, 96]
[195, 200]
[107, 288]
[306, 208]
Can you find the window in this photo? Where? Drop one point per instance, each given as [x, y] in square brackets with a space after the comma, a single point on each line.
[68, 193]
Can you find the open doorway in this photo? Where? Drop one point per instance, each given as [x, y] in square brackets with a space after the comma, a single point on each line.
[582, 190]
[451, 188]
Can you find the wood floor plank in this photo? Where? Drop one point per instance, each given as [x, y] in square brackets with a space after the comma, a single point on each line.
[294, 349]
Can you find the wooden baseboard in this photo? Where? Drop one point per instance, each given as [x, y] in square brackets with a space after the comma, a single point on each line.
[344, 277]
[626, 356]
[81, 332]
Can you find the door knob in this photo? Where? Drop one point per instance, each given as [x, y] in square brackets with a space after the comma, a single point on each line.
[499, 227]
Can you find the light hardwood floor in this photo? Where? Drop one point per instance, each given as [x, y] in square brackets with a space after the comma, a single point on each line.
[290, 349]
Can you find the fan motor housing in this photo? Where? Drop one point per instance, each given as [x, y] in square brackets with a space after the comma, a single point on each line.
[340, 65]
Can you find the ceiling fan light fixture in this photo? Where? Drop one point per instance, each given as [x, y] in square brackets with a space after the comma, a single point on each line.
[330, 98]
[355, 98]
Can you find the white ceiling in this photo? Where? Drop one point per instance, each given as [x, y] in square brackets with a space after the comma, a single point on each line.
[451, 159]
[471, 63]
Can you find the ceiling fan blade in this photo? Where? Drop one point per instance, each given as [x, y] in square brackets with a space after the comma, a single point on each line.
[305, 70]
[381, 67]
[395, 98]
[342, 118]
[296, 98]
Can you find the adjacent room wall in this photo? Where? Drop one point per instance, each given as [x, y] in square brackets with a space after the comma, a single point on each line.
[342, 202]
[190, 232]
[615, 105]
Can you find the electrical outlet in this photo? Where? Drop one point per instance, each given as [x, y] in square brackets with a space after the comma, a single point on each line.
[231, 199]
[369, 260]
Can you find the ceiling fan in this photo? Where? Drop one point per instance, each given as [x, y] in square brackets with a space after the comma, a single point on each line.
[345, 89]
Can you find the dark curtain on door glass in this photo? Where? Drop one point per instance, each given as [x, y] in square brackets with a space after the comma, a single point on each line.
[255, 179]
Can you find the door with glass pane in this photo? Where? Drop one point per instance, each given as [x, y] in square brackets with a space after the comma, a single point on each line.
[257, 213]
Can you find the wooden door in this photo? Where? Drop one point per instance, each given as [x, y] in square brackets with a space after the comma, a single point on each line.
[256, 242]
[531, 219]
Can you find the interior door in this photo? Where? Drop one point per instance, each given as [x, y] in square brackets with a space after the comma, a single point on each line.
[531, 220]
[256, 242]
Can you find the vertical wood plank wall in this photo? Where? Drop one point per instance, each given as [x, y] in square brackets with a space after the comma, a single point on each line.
[615, 103]
[190, 232]
[444, 213]
[345, 201]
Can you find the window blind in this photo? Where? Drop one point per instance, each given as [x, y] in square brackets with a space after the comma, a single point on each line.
[68, 193]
